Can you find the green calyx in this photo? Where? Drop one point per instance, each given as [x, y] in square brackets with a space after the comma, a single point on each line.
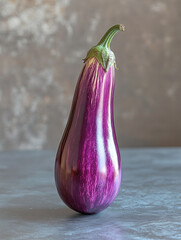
[102, 50]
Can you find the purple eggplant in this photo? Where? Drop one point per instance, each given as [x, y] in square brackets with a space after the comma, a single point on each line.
[88, 164]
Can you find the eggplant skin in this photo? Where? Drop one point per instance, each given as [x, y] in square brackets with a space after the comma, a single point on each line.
[88, 164]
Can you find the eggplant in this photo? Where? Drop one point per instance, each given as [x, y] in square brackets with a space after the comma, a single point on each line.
[88, 163]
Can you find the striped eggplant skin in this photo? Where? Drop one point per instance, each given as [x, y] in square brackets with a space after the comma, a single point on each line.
[88, 163]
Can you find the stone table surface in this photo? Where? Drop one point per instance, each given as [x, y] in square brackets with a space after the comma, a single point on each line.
[148, 205]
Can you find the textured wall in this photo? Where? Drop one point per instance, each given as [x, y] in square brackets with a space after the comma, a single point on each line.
[41, 47]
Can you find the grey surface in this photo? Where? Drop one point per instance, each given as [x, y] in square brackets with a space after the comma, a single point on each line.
[148, 205]
[42, 43]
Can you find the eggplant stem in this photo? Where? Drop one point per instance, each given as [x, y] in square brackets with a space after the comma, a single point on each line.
[108, 36]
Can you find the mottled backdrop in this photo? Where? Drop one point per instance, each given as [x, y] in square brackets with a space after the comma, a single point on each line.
[41, 47]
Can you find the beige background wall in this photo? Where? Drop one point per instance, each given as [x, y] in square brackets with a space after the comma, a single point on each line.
[41, 47]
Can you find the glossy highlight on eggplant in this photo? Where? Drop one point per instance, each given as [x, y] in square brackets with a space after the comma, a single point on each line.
[88, 164]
